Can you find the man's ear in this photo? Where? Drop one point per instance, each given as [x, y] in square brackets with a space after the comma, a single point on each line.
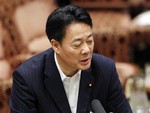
[55, 45]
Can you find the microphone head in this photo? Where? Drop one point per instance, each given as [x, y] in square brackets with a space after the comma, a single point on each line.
[97, 106]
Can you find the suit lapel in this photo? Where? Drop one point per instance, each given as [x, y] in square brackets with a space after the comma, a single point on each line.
[54, 85]
[56, 90]
[86, 84]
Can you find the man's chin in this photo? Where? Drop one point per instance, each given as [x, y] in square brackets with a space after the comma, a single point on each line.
[85, 67]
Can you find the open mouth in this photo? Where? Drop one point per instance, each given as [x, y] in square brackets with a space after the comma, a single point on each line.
[85, 62]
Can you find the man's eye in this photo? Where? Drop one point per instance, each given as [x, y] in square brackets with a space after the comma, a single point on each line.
[77, 45]
[89, 42]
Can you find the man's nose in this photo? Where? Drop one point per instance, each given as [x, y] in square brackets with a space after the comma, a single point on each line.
[85, 49]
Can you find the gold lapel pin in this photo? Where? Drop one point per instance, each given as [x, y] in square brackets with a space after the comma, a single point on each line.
[90, 84]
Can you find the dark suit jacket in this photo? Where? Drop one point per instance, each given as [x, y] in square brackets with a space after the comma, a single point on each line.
[37, 87]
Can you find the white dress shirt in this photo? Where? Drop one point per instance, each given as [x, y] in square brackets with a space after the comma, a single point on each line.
[71, 85]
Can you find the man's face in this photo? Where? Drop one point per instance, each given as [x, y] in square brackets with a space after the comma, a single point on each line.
[75, 51]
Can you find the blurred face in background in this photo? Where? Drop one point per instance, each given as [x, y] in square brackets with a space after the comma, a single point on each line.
[75, 51]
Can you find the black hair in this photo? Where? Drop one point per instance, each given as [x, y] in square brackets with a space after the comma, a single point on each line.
[60, 18]
[62, 3]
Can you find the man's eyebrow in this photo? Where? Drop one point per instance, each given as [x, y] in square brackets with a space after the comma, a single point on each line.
[80, 38]
[77, 39]
[90, 35]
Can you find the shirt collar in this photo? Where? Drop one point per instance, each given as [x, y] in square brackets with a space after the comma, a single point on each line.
[62, 75]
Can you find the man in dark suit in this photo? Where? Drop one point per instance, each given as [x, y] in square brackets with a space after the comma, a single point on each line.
[68, 76]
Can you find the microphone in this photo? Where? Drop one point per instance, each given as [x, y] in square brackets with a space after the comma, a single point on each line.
[97, 106]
